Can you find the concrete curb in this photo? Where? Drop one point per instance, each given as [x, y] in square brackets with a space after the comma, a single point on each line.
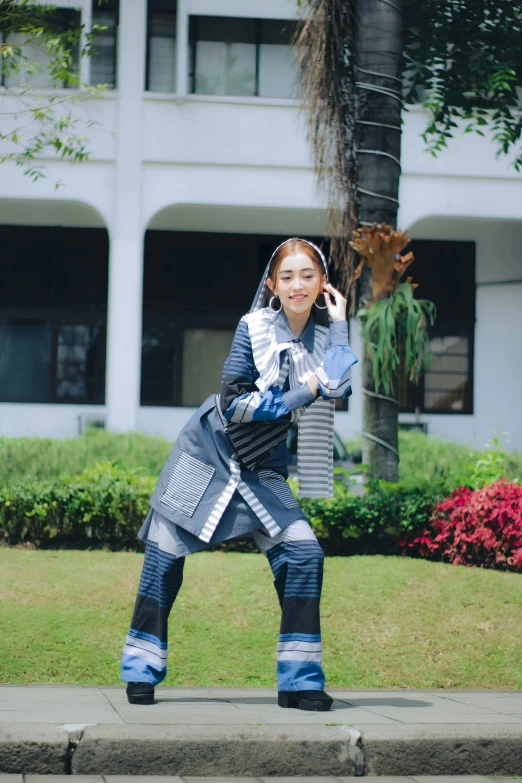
[224, 751]
[262, 751]
[432, 749]
[33, 748]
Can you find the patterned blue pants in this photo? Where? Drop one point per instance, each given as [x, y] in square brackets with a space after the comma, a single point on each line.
[296, 559]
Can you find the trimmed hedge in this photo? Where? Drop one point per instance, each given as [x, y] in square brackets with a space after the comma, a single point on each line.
[347, 524]
[103, 506]
[46, 459]
[104, 503]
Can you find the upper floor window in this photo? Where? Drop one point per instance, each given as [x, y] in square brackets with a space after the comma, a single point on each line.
[35, 64]
[446, 275]
[103, 57]
[161, 46]
[246, 57]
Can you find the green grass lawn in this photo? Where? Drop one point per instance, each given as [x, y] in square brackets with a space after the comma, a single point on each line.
[387, 621]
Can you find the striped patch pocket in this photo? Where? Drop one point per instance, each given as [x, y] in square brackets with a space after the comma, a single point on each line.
[279, 486]
[187, 483]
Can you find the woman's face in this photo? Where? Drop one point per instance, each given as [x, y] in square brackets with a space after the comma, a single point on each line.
[298, 283]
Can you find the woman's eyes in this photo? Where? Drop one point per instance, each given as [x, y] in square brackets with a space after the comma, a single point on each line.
[306, 277]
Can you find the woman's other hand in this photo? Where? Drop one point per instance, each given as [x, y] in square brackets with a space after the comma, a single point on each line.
[313, 384]
[335, 303]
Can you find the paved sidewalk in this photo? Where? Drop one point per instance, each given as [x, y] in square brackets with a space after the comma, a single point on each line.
[66, 704]
[238, 732]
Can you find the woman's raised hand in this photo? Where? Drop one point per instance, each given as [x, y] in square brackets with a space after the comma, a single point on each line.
[335, 303]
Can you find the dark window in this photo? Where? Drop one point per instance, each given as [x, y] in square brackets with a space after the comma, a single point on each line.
[53, 314]
[104, 49]
[242, 57]
[196, 288]
[445, 272]
[35, 74]
[161, 46]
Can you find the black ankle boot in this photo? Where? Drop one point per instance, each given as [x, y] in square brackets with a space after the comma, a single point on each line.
[314, 701]
[140, 693]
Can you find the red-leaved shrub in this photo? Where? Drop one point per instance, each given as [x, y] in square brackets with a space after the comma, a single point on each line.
[481, 527]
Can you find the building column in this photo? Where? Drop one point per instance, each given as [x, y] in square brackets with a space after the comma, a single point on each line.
[124, 322]
[182, 48]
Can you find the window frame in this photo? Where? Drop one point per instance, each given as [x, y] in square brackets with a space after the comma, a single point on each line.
[454, 322]
[179, 322]
[150, 12]
[112, 8]
[57, 318]
[63, 11]
[193, 38]
[52, 309]
[416, 392]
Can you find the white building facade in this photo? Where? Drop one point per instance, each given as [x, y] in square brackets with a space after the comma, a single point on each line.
[121, 289]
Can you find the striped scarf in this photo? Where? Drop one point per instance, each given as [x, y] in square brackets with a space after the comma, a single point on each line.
[315, 423]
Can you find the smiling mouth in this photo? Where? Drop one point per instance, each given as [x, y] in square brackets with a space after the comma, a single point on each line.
[299, 296]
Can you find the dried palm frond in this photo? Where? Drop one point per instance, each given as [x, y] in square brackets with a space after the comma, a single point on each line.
[325, 48]
[379, 247]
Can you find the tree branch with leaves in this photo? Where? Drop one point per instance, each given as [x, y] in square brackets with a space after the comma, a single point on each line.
[42, 40]
[463, 63]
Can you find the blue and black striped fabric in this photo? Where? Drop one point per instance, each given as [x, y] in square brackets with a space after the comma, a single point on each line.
[145, 652]
[298, 577]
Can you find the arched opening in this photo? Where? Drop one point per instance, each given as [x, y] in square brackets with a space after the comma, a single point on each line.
[53, 303]
[197, 285]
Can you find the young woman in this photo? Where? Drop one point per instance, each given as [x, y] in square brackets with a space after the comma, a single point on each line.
[226, 475]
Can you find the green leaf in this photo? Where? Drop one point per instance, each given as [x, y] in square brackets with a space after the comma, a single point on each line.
[395, 323]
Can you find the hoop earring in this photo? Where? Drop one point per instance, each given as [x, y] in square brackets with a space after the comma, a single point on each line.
[270, 304]
[319, 306]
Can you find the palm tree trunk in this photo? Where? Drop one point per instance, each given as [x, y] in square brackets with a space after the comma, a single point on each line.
[379, 45]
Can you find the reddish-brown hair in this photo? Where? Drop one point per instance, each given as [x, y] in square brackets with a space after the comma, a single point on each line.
[290, 248]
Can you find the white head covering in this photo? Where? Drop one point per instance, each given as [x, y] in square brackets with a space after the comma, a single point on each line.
[264, 294]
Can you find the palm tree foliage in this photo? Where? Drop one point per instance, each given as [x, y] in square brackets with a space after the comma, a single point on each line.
[463, 59]
[394, 325]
